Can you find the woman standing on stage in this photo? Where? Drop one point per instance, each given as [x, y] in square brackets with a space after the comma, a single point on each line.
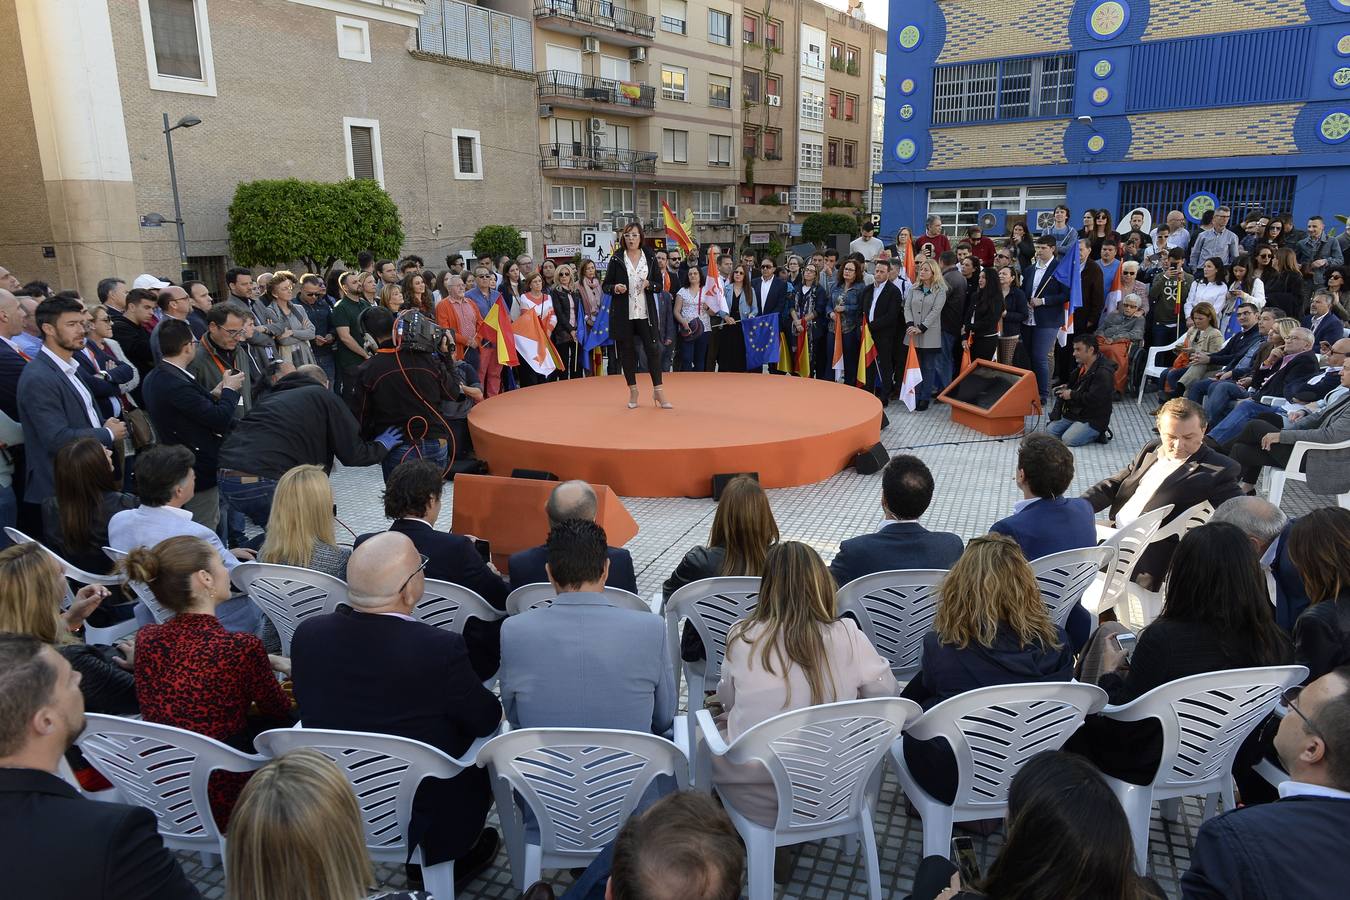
[633, 310]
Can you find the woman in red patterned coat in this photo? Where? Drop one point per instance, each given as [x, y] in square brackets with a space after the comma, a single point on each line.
[193, 674]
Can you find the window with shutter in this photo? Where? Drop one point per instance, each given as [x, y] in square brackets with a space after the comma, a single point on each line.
[363, 152]
[465, 150]
[173, 26]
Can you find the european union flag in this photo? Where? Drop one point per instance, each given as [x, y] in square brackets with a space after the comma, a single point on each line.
[589, 337]
[761, 341]
[1069, 273]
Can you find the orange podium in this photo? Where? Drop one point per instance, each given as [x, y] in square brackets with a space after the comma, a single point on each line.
[790, 430]
[992, 398]
[509, 513]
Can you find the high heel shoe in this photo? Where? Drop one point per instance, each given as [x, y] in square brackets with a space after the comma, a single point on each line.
[659, 398]
[632, 398]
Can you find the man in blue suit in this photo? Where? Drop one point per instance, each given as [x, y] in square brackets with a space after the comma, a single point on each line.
[901, 542]
[570, 500]
[185, 412]
[54, 405]
[1293, 847]
[1044, 521]
[1046, 297]
[412, 498]
[583, 662]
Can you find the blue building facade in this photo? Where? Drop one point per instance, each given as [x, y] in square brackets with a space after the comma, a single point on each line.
[1007, 107]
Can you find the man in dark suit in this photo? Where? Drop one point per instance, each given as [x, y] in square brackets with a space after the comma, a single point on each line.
[371, 667]
[1176, 469]
[884, 307]
[184, 412]
[412, 498]
[1293, 847]
[900, 543]
[131, 335]
[569, 500]
[58, 844]
[12, 359]
[54, 405]
[1292, 374]
[1046, 297]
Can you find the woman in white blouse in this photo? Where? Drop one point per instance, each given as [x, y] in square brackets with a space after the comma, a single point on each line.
[1243, 287]
[1210, 286]
[633, 310]
[692, 314]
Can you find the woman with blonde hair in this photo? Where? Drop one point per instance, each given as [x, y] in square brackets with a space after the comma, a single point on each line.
[296, 834]
[1203, 336]
[391, 297]
[31, 590]
[286, 321]
[991, 627]
[793, 651]
[300, 529]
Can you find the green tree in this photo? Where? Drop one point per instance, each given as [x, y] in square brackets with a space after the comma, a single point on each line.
[496, 241]
[318, 223]
[820, 227]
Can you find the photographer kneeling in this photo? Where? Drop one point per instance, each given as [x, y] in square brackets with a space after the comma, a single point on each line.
[406, 386]
[1083, 409]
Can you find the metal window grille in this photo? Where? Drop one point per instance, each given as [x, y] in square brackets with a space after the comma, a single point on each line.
[1004, 90]
[464, 147]
[1280, 59]
[1272, 195]
[462, 31]
[965, 93]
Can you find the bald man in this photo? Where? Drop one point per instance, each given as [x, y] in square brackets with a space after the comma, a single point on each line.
[570, 500]
[29, 338]
[371, 666]
[174, 303]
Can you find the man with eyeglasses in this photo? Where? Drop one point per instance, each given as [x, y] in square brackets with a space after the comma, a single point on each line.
[218, 354]
[1318, 253]
[371, 666]
[318, 306]
[1236, 359]
[1293, 847]
[771, 295]
[1216, 240]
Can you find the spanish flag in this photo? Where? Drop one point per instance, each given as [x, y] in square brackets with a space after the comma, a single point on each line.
[496, 327]
[907, 258]
[675, 231]
[867, 355]
[803, 357]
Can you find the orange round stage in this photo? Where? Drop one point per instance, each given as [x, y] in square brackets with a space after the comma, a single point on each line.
[790, 430]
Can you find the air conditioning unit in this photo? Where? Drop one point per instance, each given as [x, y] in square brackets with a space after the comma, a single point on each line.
[728, 212]
[545, 110]
[596, 126]
[637, 54]
[992, 222]
[598, 141]
[1040, 219]
[784, 228]
[745, 229]
[784, 198]
[590, 45]
[773, 99]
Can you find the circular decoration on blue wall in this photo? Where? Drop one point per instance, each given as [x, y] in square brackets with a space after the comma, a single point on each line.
[906, 111]
[1198, 204]
[907, 86]
[1343, 45]
[906, 150]
[1335, 126]
[1096, 144]
[1341, 5]
[1100, 96]
[1108, 18]
[1341, 78]
[1102, 68]
[909, 38]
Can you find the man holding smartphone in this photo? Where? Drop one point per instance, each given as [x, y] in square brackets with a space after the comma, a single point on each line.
[1167, 296]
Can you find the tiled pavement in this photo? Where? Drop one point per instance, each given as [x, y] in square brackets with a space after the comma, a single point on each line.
[974, 488]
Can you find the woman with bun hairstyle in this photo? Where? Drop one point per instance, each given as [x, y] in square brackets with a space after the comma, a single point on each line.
[193, 674]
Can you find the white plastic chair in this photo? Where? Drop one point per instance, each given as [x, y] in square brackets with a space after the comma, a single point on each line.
[450, 606]
[385, 772]
[532, 596]
[992, 731]
[1291, 470]
[71, 572]
[1204, 718]
[1152, 369]
[581, 785]
[821, 760]
[894, 610]
[1064, 577]
[712, 606]
[288, 594]
[1128, 542]
[143, 593]
[1140, 606]
[165, 770]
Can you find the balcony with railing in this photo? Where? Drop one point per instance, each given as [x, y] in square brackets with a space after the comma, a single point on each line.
[620, 24]
[578, 159]
[455, 30]
[622, 98]
[813, 65]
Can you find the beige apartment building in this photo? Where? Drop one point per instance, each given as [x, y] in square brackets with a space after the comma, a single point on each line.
[635, 107]
[432, 99]
[808, 71]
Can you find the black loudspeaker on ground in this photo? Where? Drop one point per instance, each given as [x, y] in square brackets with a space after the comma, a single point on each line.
[538, 474]
[871, 460]
[720, 482]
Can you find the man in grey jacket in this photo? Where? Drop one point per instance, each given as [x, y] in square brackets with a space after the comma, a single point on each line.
[1216, 240]
[1264, 441]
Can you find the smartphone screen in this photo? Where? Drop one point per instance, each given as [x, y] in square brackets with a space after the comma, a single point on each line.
[963, 851]
[1126, 642]
[484, 550]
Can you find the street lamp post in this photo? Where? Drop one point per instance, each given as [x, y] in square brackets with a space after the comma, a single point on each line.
[185, 122]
